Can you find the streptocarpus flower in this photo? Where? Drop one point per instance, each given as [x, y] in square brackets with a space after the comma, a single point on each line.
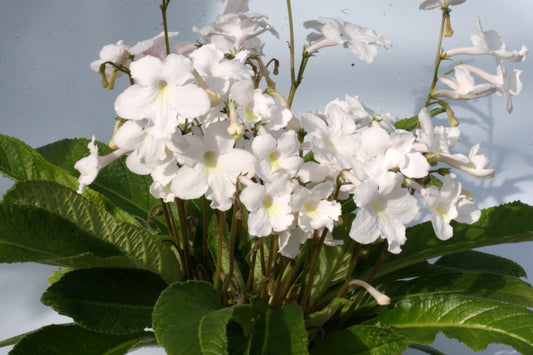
[90, 166]
[433, 4]
[362, 41]
[448, 204]
[314, 210]
[384, 210]
[211, 167]
[268, 205]
[164, 93]
[489, 42]
[463, 87]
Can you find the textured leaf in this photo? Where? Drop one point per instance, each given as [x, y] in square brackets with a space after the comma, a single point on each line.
[142, 249]
[127, 190]
[29, 233]
[473, 321]
[18, 162]
[471, 260]
[494, 227]
[362, 340]
[72, 339]
[277, 332]
[115, 301]
[483, 285]
[188, 319]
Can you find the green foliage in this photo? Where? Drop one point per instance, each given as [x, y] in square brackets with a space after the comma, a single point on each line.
[471, 260]
[474, 321]
[72, 339]
[188, 319]
[115, 301]
[362, 339]
[492, 228]
[128, 191]
[411, 123]
[20, 162]
[140, 247]
[277, 332]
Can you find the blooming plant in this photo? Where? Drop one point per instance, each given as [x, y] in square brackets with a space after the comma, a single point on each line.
[216, 221]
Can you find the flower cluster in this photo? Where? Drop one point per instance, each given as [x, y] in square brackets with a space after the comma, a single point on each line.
[197, 121]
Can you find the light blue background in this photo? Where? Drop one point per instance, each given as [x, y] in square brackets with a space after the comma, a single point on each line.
[48, 92]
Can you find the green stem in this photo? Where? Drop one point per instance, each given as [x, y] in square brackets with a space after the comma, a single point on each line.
[205, 226]
[437, 59]
[164, 7]
[184, 225]
[229, 276]
[221, 232]
[291, 42]
[361, 293]
[312, 270]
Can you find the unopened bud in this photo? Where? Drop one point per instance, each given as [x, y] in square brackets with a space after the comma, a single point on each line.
[381, 299]
[294, 125]
[236, 130]
[448, 31]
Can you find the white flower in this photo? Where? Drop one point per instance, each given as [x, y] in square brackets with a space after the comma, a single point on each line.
[333, 136]
[211, 167]
[90, 166]
[290, 241]
[232, 32]
[276, 155]
[269, 206]
[433, 4]
[448, 204]
[116, 53]
[463, 87]
[254, 107]
[384, 210]
[476, 165]
[498, 81]
[489, 42]
[164, 93]
[313, 208]
[380, 151]
[362, 41]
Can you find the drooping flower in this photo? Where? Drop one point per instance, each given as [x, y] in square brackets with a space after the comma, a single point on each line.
[490, 43]
[362, 41]
[463, 86]
[164, 93]
[384, 210]
[433, 4]
[90, 166]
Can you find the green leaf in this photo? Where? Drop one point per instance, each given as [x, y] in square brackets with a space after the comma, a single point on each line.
[29, 233]
[483, 285]
[71, 339]
[188, 319]
[493, 227]
[474, 321]
[142, 249]
[411, 123]
[362, 339]
[471, 260]
[277, 332]
[127, 190]
[19, 162]
[114, 301]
